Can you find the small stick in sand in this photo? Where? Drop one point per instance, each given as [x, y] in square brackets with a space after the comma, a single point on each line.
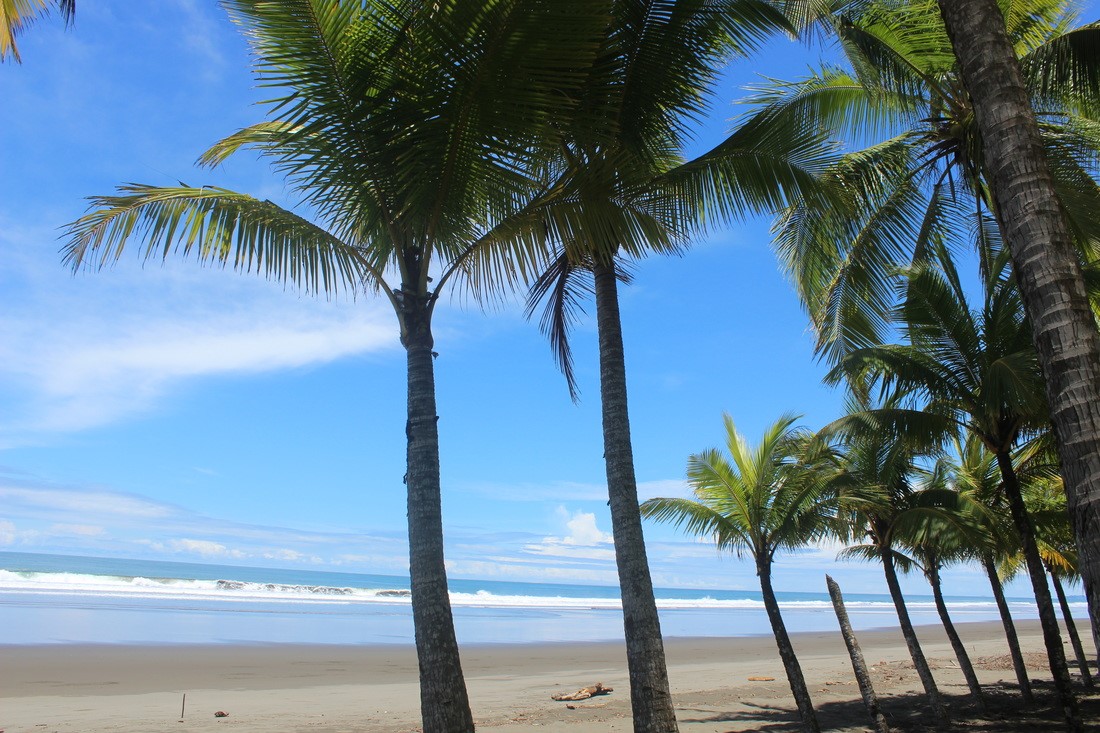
[183, 706]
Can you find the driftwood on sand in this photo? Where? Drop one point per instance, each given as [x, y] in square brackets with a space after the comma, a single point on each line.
[584, 693]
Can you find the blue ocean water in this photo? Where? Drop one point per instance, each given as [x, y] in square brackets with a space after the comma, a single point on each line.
[73, 599]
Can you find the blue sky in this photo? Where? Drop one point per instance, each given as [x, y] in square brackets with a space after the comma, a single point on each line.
[195, 414]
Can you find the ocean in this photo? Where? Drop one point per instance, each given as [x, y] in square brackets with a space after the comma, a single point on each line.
[50, 599]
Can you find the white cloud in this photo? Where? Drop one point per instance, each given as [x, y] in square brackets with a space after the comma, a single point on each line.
[78, 530]
[7, 532]
[583, 531]
[581, 543]
[205, 548]
[78, 502]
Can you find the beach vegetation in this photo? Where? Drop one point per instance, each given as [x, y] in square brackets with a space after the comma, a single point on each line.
[760, 500]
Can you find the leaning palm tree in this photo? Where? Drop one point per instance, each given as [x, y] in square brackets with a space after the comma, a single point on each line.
[417, 136]
[623, 161]
[760, 500]
[974, 369]
[1033, 217]
[17, 15]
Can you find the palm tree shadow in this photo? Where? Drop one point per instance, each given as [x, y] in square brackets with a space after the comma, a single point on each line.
[909, 712]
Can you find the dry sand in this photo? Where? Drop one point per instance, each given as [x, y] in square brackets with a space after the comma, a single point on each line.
[330, 689]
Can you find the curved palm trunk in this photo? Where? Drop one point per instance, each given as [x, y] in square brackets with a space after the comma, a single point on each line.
[1044, 261]
[1071, 629]
[932, 572]
[650, 700]
[444, 705]
[911, 641]
[859, 666]
[786, 651]
[1010, 629]
[1052, 637]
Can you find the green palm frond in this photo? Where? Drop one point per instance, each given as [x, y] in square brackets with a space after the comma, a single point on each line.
[218, 226]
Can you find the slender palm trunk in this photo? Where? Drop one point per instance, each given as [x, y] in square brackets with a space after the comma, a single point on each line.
[1052, 637]
[444, 705]
[859, 666]
[911, 641]
[786, 651]
[1010, 629]
[1044, 260]
[1071, 629]
[932, 571]
[650, 700]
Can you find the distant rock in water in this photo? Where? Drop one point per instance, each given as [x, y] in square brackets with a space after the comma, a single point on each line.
[395, 593]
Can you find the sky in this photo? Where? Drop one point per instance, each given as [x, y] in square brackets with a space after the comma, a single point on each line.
[196, 414]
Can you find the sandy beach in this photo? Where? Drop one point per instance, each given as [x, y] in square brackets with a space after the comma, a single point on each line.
[327, 688]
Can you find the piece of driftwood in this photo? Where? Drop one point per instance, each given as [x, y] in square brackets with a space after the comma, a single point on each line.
[584, 693]
[761, 678]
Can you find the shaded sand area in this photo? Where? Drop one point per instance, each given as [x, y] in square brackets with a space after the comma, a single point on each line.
[330, 689]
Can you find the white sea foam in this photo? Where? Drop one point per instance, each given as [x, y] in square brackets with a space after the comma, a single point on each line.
[230, 591]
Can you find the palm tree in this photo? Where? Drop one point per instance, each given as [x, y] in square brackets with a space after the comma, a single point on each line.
[976, 476]
[943, 532]
[416, 136]
[759, 500]
[877, 499]
[978, 371]
[1034, 225]
[630, 176]
[16, 15]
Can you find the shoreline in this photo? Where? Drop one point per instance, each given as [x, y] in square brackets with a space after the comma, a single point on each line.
[328, 687]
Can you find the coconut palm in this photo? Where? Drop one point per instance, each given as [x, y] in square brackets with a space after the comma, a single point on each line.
[1042, 246]
[975, 475]
[951, 533]
[632, 178]
[977, 370]
[878, 500]
[16, 15]
[416, 137]
[760, 500]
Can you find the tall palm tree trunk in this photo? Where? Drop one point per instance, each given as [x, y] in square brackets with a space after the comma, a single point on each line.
[1010, 629]
[911, 641]
[1044, 261]
[932, 572]
[786, 651]
[1071, 629]
[650, 700]
[444, 704]
[859, 666]
[1052, 637]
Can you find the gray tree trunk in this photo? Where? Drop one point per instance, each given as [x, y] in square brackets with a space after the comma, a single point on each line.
[859, 666]
[786, 651]
[911, 641]
[1043, 257]
[444, 704]
[1010, 629]
[933, 574]
[1071, 629]
[1052, 637]
[650, 700]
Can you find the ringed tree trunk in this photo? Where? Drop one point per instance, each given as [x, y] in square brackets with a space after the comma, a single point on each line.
[859, 666]
[650, 700]
[444, 704]
[1071, 629]
[1010, 629]
[932, 572]
[1052, 637]
[911, 641]
[1044, 260]
[786, 650]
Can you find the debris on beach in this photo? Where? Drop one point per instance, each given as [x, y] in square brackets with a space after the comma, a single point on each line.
[584, 693]
[221, 714]
[761, 678]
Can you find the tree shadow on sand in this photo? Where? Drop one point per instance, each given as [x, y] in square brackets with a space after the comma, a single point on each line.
[910, 712]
